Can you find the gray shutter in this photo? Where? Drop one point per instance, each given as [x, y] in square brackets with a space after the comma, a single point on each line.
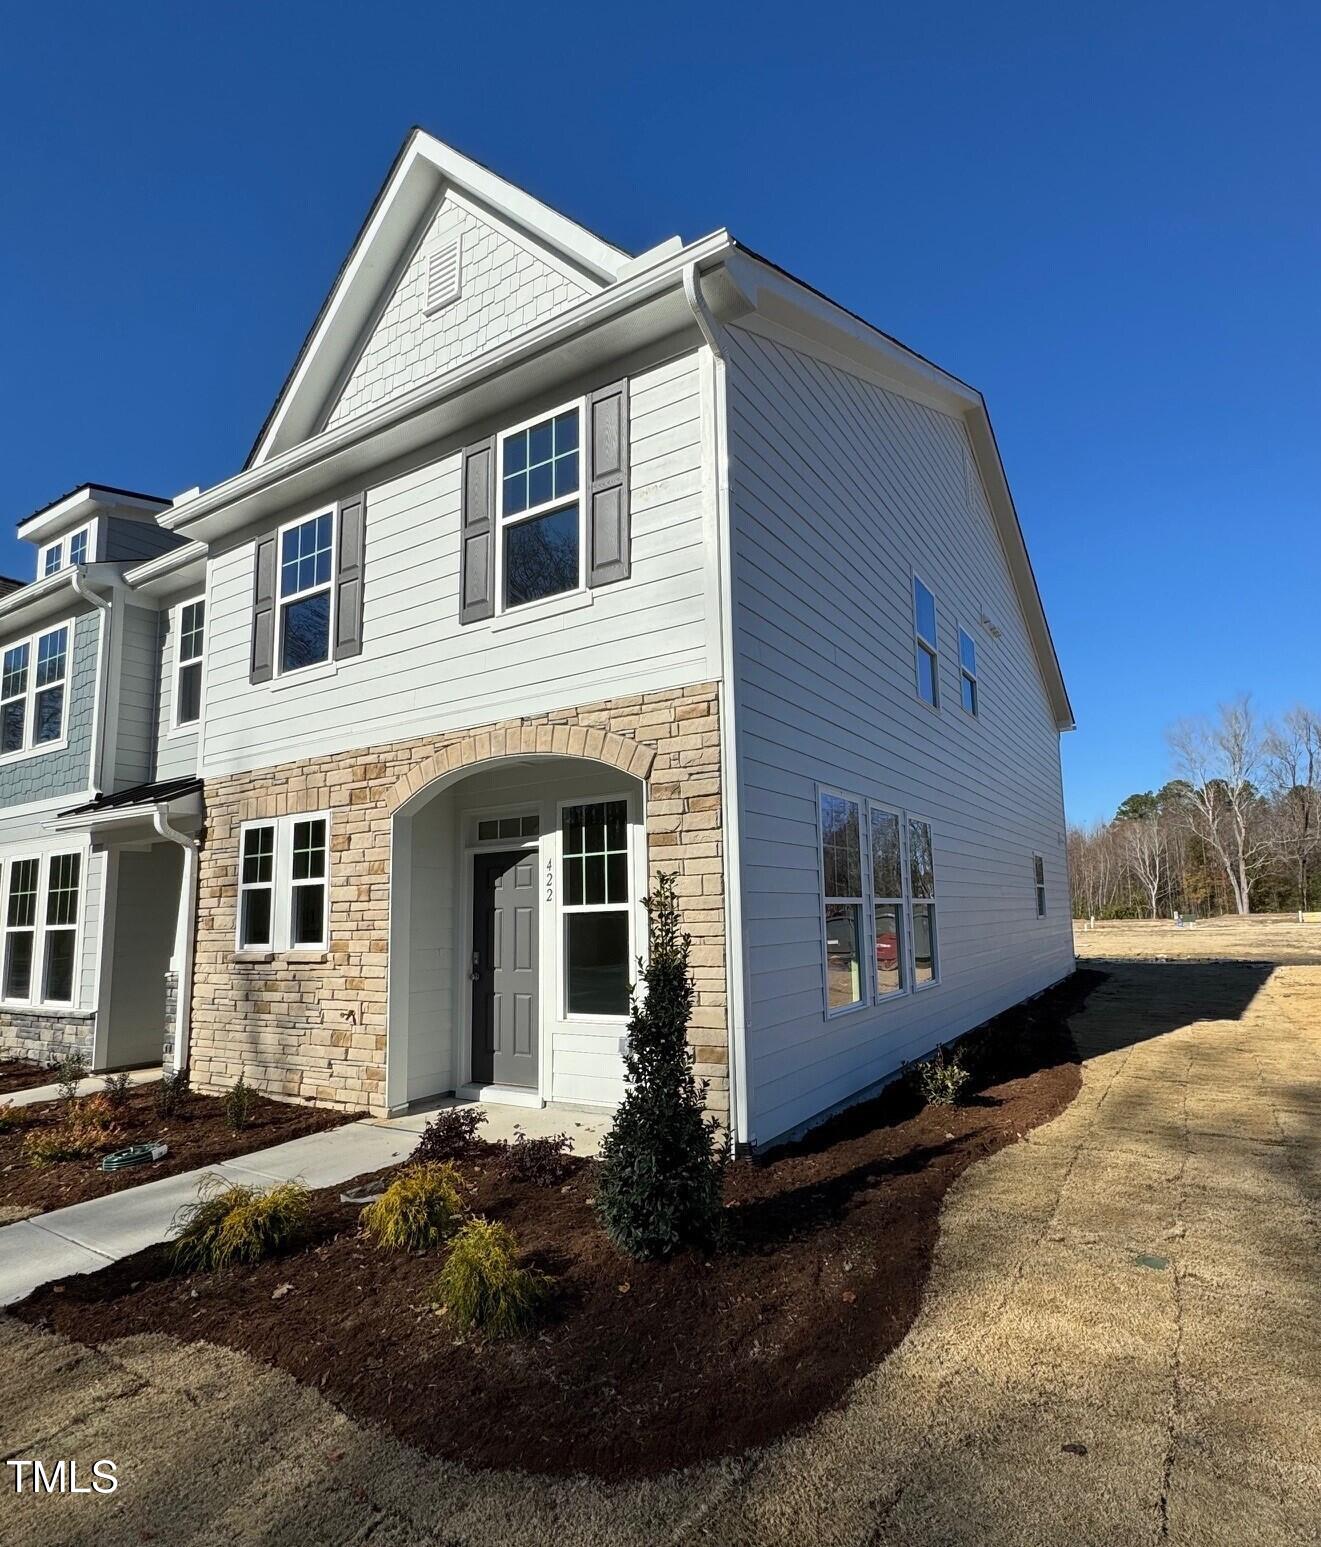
[608, 556]
[348, 577]
[263, 611]
[477, 533]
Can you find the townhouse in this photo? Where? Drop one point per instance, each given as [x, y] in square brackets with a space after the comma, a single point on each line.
[552, 567]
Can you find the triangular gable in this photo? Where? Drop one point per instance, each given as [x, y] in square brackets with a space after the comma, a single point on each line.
[362, 347]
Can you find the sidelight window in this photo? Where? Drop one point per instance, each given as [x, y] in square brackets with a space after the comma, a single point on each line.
[595, 901]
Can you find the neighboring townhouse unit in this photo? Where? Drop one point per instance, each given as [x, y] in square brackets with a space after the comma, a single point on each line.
[552, 568]
[90, 873]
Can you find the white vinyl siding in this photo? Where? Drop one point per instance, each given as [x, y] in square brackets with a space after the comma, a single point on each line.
[842, 491]
[421, 672]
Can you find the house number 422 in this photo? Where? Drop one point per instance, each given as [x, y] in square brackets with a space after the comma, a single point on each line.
[550, 880]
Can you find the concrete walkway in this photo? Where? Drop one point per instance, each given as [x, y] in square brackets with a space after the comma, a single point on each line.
[91, 1085]
[87, 1236]
[1118, 1348]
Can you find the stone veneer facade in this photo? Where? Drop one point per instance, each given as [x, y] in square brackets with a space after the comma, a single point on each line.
[42, 1035]
[313, 1026]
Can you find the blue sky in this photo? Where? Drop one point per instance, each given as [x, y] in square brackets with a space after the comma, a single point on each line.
[1105, 217]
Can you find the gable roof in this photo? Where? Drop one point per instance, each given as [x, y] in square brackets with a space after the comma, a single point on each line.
[424, 168]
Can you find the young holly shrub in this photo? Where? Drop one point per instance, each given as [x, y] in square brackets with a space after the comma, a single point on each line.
[117, 1090]
[941, 1077]
[481, 1285]
[238, 1104]
[234, 1224]
[419, 1210]
[543, 1162]
[661, 1171]
[171, 1089]
[451, 1135]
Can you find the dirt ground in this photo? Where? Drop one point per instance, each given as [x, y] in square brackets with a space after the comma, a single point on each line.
[639, 1367]
[1119, 1344]
[197, 1134]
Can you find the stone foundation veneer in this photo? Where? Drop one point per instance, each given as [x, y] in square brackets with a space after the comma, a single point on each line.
[42, 1035]
[313, 1026]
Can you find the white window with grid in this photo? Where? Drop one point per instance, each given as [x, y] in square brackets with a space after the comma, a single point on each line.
[284, 884]
[40, 910]
[33, 682]
[305, 593]
[190, 638]
[539, 545]
[79, 545]
[968, 690]
[887, 878]
[926, 649]
[922, 888]
[52, 559]
[1039, 883]
[59, 951]
[596, 956]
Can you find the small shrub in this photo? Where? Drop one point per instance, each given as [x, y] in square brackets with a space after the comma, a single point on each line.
[11, 1117]
[69, 1071]
[84, 1130]
[117, 1090]
[543, 1162]
[941, 1077]
[96, 1112]
[238, 1104]
[419, 1210]
[171, 1089]
[482, 1286]
[451, 1135]
[662, 1163]
[230, 1224]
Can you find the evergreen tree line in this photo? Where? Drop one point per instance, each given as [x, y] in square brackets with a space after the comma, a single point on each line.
[1236, 830]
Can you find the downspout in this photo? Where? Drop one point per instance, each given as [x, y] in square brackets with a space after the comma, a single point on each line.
[730, 782]
[184, 933]
[100, 707]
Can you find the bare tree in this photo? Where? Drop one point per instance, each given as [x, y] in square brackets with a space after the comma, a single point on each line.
[1143, 846]
[1293, 769]
[1222, 762]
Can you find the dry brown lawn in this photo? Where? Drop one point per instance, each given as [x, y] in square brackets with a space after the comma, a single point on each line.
[1119, 1344]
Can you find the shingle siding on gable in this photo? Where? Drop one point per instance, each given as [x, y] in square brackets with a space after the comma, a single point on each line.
[66, 772]
[506, 288]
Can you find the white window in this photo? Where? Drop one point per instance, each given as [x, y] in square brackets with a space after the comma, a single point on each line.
[304, 592]
[1039, 881]
[284, 879]
[33, 676]
[540, 547]
[927, 653]
[64, 873]
[21, 927]
[189, 634]
[968, 671]
[52, 559]
[78, 545]
[842, 881]
[887, 860]
[596, 907]
[41, 937]
[922, 886]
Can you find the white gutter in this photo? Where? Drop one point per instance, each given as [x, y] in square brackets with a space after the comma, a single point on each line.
[731, 788]
[78, 579]
[184, 934]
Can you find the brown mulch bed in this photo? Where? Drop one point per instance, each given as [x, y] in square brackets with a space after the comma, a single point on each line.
[641, 1367]
[22, 1074]
[197, 1134]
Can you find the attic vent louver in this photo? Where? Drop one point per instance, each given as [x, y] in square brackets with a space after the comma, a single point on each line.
[442, 277]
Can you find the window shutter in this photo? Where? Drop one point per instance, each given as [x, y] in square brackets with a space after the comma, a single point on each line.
[477, 533]
[263, 611]
[608, 556]
[348, 577]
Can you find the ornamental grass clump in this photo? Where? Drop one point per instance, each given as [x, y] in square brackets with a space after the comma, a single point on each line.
[482, 1287]
[418, 1211]
[232, 1224]
[659, 1187]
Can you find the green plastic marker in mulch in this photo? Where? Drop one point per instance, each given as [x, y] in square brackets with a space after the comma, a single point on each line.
[135, 1155]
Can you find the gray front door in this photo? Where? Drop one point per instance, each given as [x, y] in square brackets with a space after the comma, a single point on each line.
[504, 969]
